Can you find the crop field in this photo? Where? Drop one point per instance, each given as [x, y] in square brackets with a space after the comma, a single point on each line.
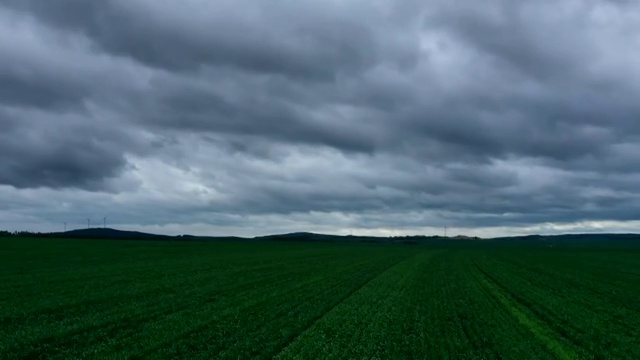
[98, 299]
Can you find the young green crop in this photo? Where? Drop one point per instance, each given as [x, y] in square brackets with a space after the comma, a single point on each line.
[89, 299]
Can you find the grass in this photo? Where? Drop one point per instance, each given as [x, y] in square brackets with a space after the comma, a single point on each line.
[96, 299]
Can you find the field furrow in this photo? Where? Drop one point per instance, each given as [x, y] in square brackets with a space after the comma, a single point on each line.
[537, 327]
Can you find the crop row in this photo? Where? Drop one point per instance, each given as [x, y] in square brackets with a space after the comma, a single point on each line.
[429, 306]
[588, 319]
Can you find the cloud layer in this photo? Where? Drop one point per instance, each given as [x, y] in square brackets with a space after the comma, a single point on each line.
[386, 116]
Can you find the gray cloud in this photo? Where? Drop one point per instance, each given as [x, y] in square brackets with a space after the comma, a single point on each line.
[57, 150]
[505, 114]
[279, 37]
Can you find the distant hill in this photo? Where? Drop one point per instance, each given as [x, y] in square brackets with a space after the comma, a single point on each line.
[303, 236]
[107, 233]
[314, 237]
[572, 237]
[210, 238]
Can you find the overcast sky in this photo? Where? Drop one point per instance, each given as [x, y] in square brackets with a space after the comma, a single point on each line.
[250, 117]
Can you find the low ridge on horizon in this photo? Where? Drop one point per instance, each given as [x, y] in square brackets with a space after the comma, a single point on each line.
[112, 233]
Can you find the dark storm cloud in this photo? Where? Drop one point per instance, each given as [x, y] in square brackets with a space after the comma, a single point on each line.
[484, 114]
[34, 92]
[257, 112]
[35, 151]
[262, 37]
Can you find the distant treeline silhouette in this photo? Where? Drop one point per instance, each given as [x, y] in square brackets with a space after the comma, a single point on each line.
[5, 233]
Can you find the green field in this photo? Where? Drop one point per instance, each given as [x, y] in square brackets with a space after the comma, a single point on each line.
[85, 299]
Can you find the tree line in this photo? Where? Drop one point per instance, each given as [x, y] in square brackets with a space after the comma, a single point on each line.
[5, 233]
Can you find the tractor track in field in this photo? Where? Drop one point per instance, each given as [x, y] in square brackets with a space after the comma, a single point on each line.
[538, 328]
[344, 298]
[342, 301]
[200, 327]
